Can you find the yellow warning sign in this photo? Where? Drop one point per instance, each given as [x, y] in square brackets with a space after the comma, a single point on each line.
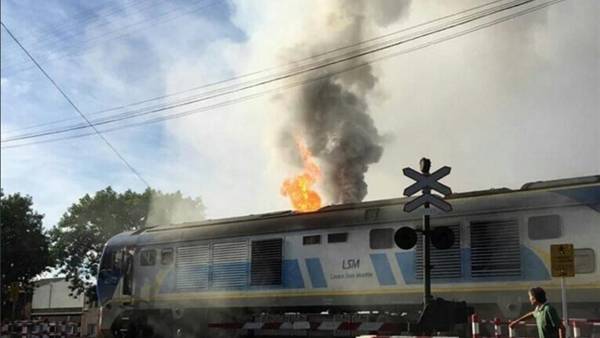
[562, 260]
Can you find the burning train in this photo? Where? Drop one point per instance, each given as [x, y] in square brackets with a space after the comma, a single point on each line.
[173, 280]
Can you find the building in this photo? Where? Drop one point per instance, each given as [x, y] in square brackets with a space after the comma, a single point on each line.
[53, 301]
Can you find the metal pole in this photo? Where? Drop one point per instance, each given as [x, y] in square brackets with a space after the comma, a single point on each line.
[565, 315]
[426, 259]
[425, 165]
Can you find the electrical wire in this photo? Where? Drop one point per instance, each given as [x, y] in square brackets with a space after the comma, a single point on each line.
[236, 87]
[281, 76]
[127, 164]
[294, 63]
[102, 37]
[304, 82]
[54, 36]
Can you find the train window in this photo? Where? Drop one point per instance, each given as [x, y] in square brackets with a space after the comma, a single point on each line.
[111, 261]
[309, 240]
[337, 238]
[147, 257]
[266, 262]
[381, 238]
[166, 256]
[585, 261]
[544, 227]
[117, 260]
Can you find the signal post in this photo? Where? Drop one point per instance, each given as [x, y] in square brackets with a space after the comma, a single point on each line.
[562, 264]
[442, 237]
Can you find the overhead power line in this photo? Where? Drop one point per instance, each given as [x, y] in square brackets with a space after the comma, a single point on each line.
[307, 81]
[98, 15]
[294, 63]
[131, 168]
[137, 113]
[121, 32]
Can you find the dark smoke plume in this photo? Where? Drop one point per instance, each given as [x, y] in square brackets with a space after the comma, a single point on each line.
[339, 131]
[333, 114]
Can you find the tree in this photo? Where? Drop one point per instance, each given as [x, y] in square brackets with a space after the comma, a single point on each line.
[25, 252]
[79, 236]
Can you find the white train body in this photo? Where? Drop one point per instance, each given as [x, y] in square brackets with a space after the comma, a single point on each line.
[344, 257]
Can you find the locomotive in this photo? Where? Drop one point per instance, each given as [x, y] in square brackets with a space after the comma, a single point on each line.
[172, 280]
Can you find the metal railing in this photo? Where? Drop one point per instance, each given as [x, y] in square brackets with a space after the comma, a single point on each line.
[497, 328]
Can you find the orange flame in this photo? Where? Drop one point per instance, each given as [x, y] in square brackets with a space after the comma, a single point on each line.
[299, 189]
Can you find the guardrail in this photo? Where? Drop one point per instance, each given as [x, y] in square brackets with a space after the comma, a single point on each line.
[497, 328]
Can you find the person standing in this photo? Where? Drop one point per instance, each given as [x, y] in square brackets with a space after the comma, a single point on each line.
[548, 322]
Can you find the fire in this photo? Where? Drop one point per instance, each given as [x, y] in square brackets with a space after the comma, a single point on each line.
[299, 189]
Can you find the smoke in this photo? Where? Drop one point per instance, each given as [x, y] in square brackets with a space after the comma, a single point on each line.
[332, 115]
[340, 132]
[173, 208]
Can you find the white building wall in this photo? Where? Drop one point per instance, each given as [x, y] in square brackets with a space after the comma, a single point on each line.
[54, 294]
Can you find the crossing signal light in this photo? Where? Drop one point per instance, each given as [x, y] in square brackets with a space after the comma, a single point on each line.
[442, 238]
[405, 238]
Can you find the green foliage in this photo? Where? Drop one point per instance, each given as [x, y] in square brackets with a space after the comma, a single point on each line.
[81, 233]
[24, 248]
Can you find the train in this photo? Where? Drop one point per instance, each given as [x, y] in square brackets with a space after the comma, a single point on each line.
[173, 280]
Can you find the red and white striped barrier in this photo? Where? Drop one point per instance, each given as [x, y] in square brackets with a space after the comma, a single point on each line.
[368, 327]
[36, 329]
[578, 323]
[575, 323]
[371, 336]
[475, 326]
[497, 328]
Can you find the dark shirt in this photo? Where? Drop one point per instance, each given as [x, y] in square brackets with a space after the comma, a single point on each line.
[547, 321]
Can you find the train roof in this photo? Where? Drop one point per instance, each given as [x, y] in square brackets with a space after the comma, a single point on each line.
[533, 195]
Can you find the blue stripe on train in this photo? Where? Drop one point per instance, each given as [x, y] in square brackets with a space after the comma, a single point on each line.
[532, 268]
[383, 270]
[586, 195]
[292, 277]
[315, 271]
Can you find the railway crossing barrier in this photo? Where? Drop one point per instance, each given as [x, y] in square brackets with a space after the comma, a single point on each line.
[39, 329]
[581, 328]
[338, 328]
[371, 336]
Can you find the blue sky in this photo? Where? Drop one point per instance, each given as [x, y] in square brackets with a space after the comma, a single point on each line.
[512, 103]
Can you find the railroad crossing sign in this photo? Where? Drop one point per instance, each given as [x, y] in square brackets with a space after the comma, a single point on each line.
[442, 237]
[427, 182]
[428, 198]
[562, 260]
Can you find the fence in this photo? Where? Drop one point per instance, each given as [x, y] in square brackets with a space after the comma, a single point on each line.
[40, 329]
[496, 328]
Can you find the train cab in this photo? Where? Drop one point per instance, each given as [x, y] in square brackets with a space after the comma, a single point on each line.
[115, 280]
